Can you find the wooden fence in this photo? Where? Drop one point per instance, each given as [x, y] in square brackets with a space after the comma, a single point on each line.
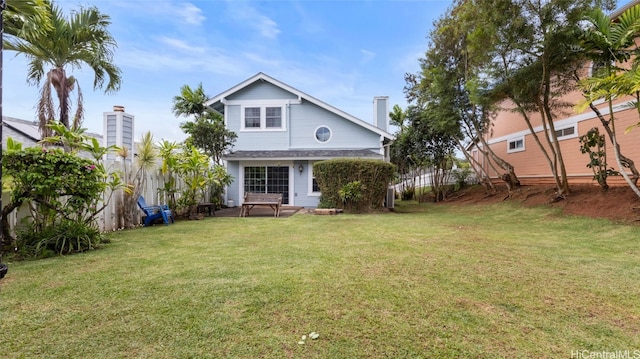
[110, 219]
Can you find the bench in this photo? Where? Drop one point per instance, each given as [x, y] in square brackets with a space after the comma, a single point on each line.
[273, 200]
[208, 207]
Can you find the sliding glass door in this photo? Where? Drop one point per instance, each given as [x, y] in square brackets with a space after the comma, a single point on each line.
[267, 179]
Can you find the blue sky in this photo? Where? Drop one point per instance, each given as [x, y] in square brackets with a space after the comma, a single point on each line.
[341, 52]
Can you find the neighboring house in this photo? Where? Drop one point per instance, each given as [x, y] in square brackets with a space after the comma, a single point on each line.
[25, 132]
[283, 131]
[511, 139]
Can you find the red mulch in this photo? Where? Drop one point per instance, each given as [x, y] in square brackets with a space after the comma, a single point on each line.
[619, 204]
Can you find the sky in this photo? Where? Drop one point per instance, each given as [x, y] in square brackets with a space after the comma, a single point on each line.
[341, 52]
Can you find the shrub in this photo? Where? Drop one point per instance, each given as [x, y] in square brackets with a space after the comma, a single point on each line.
[373, 177]
[61, 237]
[408, 193]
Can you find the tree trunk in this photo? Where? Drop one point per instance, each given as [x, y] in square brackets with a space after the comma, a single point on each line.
[509, 177]
[481, 174]
[625, 162]
[7, 238]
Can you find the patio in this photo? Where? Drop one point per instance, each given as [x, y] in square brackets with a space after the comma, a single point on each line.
[258, 211]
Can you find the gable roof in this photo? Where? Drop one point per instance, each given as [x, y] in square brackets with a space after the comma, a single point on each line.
[218, 99]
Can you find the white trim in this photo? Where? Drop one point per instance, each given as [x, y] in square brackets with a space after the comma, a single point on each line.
[269, 103]
[566, 137]
[310, 192]
[301, 95]
[315, 137]
[262, 105]
[565, 122]
[240, 182]
[513, 140]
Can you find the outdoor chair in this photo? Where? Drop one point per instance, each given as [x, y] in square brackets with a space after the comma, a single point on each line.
[155, 212]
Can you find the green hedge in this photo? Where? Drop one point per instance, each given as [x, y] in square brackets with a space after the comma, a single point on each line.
[338, 176]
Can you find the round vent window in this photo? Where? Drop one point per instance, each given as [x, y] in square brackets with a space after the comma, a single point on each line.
[323, 134]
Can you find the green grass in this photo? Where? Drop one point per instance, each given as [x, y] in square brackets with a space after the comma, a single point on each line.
[427, 281]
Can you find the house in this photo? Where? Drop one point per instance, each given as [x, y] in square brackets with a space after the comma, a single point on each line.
[28, 132]
[282, 132]
[511, 139]
[25, 132]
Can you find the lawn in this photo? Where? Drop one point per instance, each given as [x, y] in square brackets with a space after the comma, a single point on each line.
[426, 281]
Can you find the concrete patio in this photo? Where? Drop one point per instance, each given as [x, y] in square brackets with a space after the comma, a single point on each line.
[258, 211]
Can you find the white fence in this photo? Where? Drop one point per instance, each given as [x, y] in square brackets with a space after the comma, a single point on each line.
[423, 178]
[111, 218]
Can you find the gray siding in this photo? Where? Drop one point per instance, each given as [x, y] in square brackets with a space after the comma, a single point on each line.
[305, 119]
[301, 186]
[262, 91]
[301, 121]
[382, 112]
[233, 191]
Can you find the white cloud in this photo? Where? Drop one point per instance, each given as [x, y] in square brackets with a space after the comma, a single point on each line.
[181, 45]
[367, 55]
[248, 15]
[210, 60]
[190, 14]
[261, 60]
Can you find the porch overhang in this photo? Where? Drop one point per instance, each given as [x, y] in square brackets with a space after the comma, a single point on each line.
[283, 155]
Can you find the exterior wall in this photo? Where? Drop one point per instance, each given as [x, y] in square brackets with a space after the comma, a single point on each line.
[303, 185]
[262, 91]
[300, 120]
[306, 118]
[233, 191]
[530, 164]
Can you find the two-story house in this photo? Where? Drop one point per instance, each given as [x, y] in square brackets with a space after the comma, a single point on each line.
[282, 131]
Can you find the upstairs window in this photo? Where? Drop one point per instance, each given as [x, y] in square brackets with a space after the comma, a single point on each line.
[323, 134]
[274, 117]
[252, 117]
[566, 132]
[515, 145]
[262, 118]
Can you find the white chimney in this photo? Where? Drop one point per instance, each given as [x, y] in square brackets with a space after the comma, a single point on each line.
[381, 112]
[118, 131]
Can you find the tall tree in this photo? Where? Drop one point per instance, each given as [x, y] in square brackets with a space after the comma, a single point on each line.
[21, 17]
[207, 130]
[532, 62]
[611, 45]
[82, 39]
[447, 82]
[18, 17]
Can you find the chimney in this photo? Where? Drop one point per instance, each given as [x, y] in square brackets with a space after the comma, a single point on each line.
[381, 112]
[118, 131]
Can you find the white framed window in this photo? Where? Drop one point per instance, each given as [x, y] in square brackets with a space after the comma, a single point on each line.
[515, 145]
[252, 117]
[314, 190]
[263, 117]
[566, 132]
[322, 134]
[273, 118]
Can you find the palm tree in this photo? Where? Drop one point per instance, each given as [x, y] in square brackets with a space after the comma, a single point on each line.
[25, 16]
[17, 18]
[190, 101]
[610, 44]
[83, 39]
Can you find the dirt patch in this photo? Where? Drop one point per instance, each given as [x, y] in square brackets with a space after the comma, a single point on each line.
[619, 204]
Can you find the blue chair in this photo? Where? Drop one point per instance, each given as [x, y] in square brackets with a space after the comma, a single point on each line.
[155, 212]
